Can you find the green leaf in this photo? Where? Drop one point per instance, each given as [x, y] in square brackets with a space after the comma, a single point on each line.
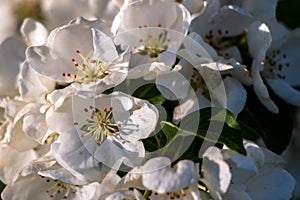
[229, 118]
[159, 99]
[221, 128]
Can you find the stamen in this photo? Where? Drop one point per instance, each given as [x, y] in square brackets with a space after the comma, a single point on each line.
[100, 125]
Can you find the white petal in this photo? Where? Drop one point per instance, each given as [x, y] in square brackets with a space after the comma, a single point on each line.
[141, 121]
[129, 194]
[144, 9]
[34, 32]
[18, 139]
[104, 48]
[193, 102]
[262, 10]
[261, 90]
[285, 91]
[71, 153]
[112, 152]
[11, 56]
[271, 184]
[31, 86]
[216, 171]
[169, 180]
[54, 117]
[12, 162]
[172, 85]
[236, 95]
[259, 40]
[288, 47]
[237, 192]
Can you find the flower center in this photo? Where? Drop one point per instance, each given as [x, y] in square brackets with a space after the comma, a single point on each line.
[276, 62]
[89, 70]
[153, 46]
[176, 195]
[60, 190]
[100, 125]
[216, 38]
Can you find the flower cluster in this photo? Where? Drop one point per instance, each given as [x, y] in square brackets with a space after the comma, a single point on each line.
[148, 99]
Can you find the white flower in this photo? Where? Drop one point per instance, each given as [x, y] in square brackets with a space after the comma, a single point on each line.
[259, 175]
[12, 161]
[81, 52]
[177, 17]
[8, 26]
[216, 23]
[164, 181]
[216, 172]
[38, 187]
[15, 135]
[58, 13]
[277, 62]
[103, 128]
[11, 56]
[204, 68]
[152, 39]
[105, 10]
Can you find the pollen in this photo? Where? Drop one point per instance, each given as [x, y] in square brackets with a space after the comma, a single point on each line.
[60, 190]
[153, 45]
[100, 125]
[88, 70]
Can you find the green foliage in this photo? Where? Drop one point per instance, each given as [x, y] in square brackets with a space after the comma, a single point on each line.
[215, 125]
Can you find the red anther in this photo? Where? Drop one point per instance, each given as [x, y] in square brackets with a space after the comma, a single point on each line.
[78, 51]
[63, 74]
[69, 74]
[81, 135]
[73, 60]
[93, 61]
[105, 110]
[110, 108]
[75, 76]
[141, 40]
[140, 26]
[158, 25]
[85, 109]
[51, 196]
[76, 64]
